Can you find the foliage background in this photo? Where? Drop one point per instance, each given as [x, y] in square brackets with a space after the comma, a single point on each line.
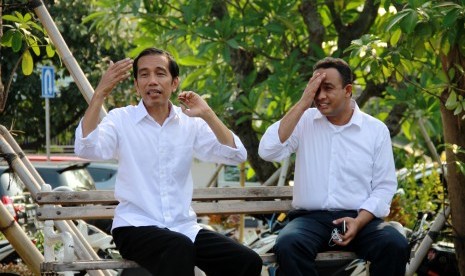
[251, 59]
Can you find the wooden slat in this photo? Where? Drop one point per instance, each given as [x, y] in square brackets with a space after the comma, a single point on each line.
[87, 265]
[328, 256]
[201, 208]
[241, 207]
[200, 194]
[81, 197]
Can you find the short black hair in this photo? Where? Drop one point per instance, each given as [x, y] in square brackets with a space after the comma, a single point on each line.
[340, 65]
[173, 65]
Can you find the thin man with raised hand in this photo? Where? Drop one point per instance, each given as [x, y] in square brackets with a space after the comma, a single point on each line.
[154, 143]
[344, 173]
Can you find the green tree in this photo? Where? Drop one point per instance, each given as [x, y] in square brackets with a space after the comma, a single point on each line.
[252, 60]
[425, 54]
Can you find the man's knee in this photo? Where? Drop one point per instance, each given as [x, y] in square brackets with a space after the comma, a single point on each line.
[181, 244]
[286, 242]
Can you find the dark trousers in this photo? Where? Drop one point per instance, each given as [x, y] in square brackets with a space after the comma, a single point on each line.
[309, 232]
[167, 253]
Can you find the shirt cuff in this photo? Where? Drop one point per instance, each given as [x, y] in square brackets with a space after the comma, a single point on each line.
[238, 154]
[376, 206]
[89, 139]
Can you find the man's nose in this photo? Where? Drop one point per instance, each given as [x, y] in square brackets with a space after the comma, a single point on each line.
[153, 79]
[320, 94]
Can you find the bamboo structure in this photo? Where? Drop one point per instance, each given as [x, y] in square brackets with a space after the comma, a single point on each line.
[34, 183]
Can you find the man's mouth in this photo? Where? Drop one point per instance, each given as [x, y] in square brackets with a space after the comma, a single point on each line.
[154, 91]
[323, 105]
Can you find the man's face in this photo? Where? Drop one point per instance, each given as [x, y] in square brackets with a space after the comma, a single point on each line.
[332, 97]
[154, 81]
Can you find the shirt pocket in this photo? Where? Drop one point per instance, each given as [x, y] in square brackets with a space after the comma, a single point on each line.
[182, 160]
[357, 169]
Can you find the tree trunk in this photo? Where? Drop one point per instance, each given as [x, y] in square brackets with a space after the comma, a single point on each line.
[454, 134]
[454, 138]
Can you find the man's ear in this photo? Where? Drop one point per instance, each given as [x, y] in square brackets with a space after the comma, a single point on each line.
[136, 85]
[176, 82]
[348, 89]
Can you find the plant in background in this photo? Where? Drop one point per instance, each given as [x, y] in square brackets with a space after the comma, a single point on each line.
[421, 191]
[24, 36]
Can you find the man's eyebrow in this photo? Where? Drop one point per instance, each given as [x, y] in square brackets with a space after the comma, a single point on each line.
[157, 68]
[161, 68]
[327, 83]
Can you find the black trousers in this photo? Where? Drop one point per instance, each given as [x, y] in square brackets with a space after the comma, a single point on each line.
[167, 253]
[309, 233]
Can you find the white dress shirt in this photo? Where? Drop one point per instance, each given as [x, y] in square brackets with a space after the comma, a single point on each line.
[349, 167]
[154, 182]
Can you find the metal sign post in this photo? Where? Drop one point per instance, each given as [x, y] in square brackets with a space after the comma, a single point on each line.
[48, 91]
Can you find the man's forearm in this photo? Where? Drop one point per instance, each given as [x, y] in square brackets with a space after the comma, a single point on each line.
[92, 115]
[363, 218]
[289, 121]
[222, 133]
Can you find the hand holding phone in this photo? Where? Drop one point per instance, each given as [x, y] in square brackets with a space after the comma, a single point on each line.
[343, 227]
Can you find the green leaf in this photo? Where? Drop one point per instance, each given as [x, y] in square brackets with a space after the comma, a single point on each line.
[192, 61]
[17, 42]
[187, 82]
[9, 17]
[406, 129]
[27, 17]
[451, 73]
[208, 32]
[398, 17]
[450, 18]
[94, 16]
[395, 37]
[27, 63]
[50, 51]
[451, 102]
[409, 22]
[233, 43]
[275, 28]
[227, 54]
[34, 46]
[419, 49]
[7, 38]
[458, 110]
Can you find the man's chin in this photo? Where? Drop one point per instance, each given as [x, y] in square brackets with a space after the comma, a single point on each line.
[324, 110]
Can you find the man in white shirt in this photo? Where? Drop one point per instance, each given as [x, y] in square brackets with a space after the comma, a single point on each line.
[344, 174]
[154, 143]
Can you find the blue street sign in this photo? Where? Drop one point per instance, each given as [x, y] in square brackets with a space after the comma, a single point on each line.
[48, 82]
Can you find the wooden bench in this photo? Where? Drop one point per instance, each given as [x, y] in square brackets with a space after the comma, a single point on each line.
[206, 201]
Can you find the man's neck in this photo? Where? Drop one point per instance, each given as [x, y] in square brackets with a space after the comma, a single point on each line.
[160, 113]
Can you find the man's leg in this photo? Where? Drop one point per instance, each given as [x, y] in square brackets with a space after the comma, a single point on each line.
[300, 241]
[385, 248]
[218, 255]
[160, 251]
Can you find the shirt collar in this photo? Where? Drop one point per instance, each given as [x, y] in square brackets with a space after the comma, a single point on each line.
[141, 112]
[356, 116]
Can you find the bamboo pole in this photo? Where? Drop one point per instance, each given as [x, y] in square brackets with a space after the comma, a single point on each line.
[242, 217]
[427, 241]
[9, 146]
[20, 241]
[64, 52]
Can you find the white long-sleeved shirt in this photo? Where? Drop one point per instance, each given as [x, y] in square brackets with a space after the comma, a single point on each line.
[154, 183]
[348, 167]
